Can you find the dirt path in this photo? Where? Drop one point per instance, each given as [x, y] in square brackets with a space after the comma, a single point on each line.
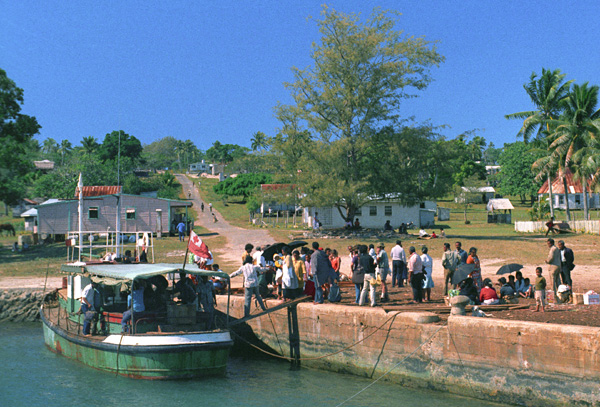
[236, 237]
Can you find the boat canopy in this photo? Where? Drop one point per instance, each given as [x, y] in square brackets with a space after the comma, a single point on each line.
[135, 271]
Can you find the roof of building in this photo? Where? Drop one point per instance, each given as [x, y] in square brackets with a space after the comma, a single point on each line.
[29, 213]
[574, 186]
[99, 190]
[499, 204]
[44, 165]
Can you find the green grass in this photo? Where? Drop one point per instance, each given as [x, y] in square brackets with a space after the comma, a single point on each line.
[233, 210]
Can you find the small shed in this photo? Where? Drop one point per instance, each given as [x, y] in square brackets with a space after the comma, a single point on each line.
[30, 217]
[499, 210]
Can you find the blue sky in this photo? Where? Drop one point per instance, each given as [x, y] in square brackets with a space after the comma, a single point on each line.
[214, 70]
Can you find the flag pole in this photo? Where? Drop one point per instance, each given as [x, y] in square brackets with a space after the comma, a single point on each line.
[187, 249]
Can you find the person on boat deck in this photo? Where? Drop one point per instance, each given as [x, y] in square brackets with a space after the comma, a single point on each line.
[127, 259]
[137, 298]
[143, 258]
[207, 299]
[89, 305]
[185, 288]
[250, 273]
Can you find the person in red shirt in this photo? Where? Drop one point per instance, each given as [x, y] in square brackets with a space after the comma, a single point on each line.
[488, 295]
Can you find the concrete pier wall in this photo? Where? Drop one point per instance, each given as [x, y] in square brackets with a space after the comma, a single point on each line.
[521, 363]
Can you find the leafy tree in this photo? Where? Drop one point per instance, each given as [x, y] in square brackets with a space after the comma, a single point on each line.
[548, 94]
[120, 143]
[160, 154]
[491, 155]
[361, 74]
[64, 149]
[243, 185]
[16, 132]
[516, 176]
[225, 153]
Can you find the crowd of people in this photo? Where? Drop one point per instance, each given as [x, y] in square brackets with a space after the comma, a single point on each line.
[316, 272]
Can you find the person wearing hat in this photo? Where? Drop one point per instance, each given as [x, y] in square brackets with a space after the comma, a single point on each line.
[383, 269]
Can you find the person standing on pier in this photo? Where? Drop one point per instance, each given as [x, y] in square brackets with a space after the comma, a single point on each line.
[250, 273]
[415, 274]
[321, 269]
[554, 263]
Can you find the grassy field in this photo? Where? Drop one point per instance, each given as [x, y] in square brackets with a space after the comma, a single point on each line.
[234, 210]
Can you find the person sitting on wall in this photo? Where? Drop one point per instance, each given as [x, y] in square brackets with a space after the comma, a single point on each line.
[357, 224]
[387, 227]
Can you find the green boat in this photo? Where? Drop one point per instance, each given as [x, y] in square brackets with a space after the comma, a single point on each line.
[170, 340]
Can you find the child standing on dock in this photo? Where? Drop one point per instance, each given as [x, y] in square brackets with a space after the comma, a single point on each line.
[540, 290]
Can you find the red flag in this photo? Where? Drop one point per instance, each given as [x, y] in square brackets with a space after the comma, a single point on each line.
[198, 247]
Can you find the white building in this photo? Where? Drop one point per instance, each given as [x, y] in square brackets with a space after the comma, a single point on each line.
[374, 214]
[575, 190]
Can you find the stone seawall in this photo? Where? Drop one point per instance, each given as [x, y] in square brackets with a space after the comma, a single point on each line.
[522, 363]
[20, 305]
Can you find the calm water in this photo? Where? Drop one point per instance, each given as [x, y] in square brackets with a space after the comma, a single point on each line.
[32, 375]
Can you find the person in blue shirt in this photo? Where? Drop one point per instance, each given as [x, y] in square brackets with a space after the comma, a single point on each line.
[137, 298]
[181, 230]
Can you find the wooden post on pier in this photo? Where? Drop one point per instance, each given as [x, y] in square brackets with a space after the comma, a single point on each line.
[294, 337]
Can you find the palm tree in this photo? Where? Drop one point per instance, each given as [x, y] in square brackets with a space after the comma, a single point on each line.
[577, 127]
[64, 148]
[49, 146]
[259, 141]
[89, 144]
[548, 94]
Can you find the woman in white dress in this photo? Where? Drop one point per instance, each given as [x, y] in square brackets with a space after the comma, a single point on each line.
[428, 268]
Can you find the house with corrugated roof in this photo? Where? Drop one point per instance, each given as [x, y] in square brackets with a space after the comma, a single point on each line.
[106, 208]
[575, 193]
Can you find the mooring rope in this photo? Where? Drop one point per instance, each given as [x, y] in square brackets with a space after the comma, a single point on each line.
[319, 357]
[118, 350]
[392, 368]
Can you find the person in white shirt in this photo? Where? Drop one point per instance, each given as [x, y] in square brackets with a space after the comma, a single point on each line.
[415, 274]
[258, 258]
[250, 273]
[398, 264]
[427, 263]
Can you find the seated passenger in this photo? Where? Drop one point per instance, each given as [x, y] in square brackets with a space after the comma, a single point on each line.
[526, 289]
[488, 295]
[469, 289]
[135, 303]
[127, 259]
[219, 283]
[185, 288]
[506, 291]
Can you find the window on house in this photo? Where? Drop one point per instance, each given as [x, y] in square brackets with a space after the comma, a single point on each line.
[561, 200]
[578, 199]
[358, 212]
[93, 212]
[373, 210]
[130, 213]
[422, 205]
[387, 210]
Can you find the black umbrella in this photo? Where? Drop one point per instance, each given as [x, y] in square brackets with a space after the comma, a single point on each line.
[296, 244]
[272, 250]
[462, 272]
[509, 268]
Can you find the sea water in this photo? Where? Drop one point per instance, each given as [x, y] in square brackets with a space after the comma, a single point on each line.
[31, 375]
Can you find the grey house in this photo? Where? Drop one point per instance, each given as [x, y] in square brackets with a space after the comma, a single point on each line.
[100, 213]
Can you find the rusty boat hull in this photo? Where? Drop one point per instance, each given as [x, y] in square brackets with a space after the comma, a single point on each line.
[157, 356]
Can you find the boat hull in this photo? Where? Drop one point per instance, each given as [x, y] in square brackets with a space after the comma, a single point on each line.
[161, 356]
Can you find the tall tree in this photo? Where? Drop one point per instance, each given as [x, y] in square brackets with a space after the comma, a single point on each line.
[548, 94]
[90, 145]
[64, 149]
[259, 141]
[516, 176]
[49, 146]
[119, 143]
[16, 131]
[577, 127]
[362, 72]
